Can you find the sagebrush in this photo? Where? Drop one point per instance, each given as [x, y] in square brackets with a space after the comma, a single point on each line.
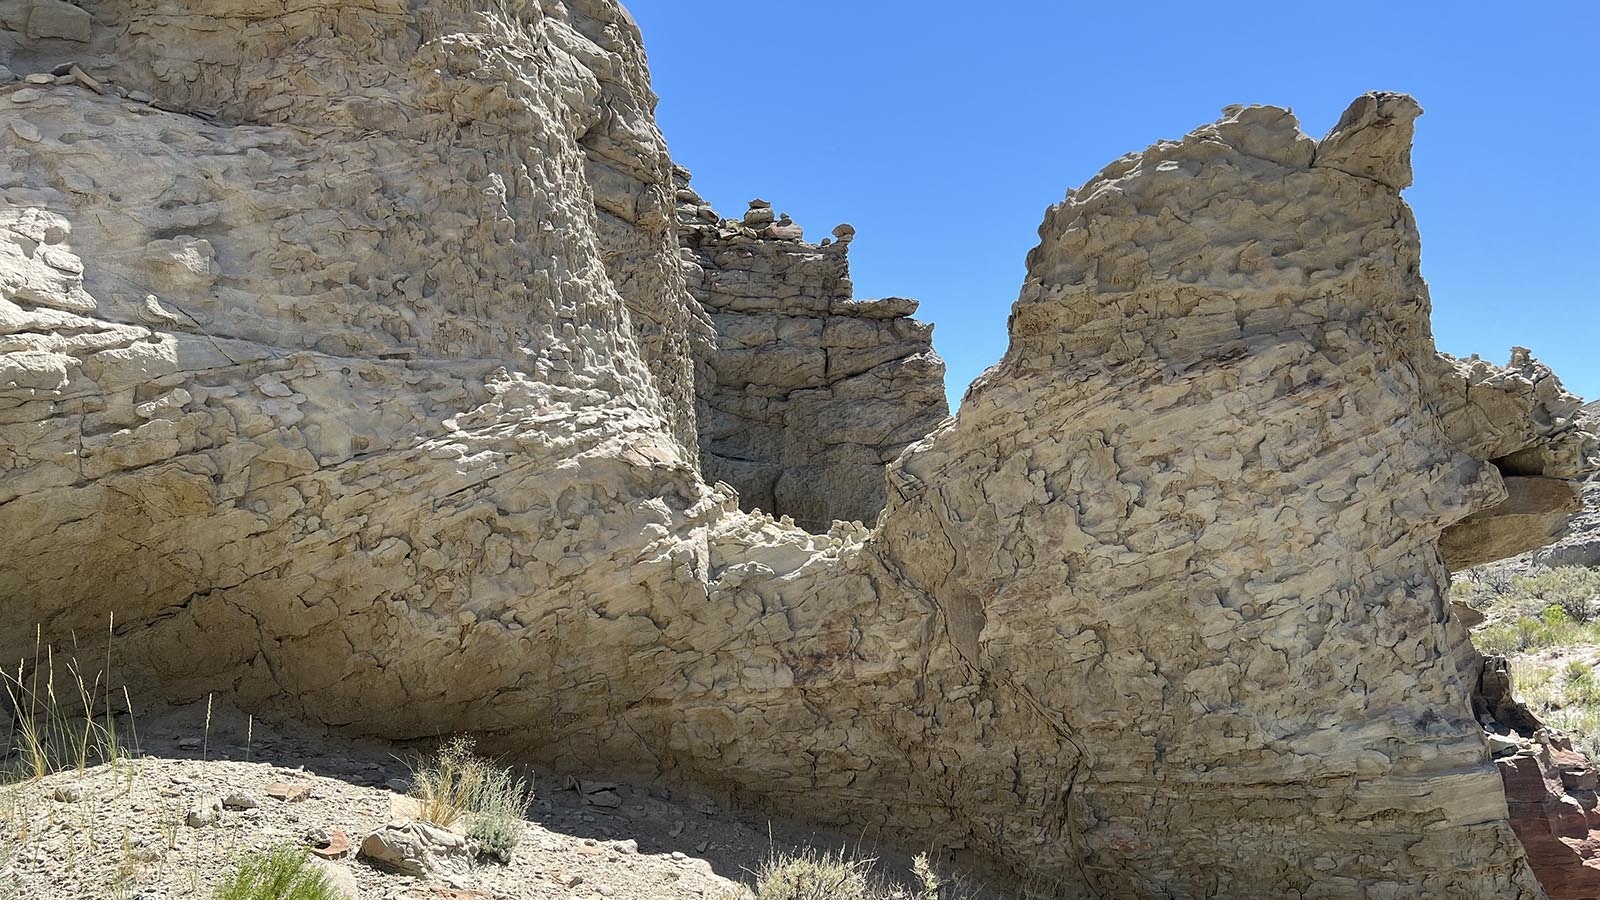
[1504, 596]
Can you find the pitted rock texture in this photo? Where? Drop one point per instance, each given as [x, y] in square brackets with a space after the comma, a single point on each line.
[314, 370]
[808, 393]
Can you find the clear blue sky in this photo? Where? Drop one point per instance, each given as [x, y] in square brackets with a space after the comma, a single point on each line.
[943, 130]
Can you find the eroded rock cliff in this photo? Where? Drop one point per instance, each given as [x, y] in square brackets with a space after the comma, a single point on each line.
[320, 368]
[808, 393]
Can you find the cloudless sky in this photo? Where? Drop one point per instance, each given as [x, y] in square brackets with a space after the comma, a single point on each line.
[943, 130]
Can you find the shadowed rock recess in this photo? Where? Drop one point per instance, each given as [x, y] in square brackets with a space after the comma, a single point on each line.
[346, 355]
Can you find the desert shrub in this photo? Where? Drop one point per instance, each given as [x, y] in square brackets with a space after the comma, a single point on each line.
[1565, 696]
[1581, 725]
[1497, 639]
[1574, 589]
[1550, 629]
[816, 876]
[495, 819]
[1582, 688]
[283, 873]
[1481, 588]
[456, 784]
[812, 875]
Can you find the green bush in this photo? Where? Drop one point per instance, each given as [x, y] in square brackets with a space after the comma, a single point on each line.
[1575, 589]
[456, 784]
[284, 873]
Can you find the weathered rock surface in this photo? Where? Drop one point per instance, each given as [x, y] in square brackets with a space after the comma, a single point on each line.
[416, 849]
[1552, 524]
[808, 393]
[1535, 433]
[1550, 792]
[315, 369]
[1580, 545]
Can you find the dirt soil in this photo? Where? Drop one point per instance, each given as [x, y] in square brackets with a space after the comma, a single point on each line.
[120, 832]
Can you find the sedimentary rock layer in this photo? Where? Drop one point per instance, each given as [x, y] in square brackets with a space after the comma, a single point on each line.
[1536, 435]
[808, 393]
[315, 370]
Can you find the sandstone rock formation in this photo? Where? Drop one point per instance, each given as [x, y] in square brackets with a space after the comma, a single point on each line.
[1536, 434]
[315, 368]
[1580, 545]
[1555, 812]
[808, 393]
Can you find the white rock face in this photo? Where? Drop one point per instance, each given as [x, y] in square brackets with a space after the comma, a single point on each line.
[325, 371]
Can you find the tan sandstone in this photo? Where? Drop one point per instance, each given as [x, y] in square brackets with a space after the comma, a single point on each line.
[327, 372]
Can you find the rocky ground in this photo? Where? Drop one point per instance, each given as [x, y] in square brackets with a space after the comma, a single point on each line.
[149, 828]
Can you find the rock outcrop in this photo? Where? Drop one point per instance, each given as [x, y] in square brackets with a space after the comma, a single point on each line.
[808, 393]
[1550, 789]
[1580, 545]
[1536, 434]
[1550, 792]
[314, 369]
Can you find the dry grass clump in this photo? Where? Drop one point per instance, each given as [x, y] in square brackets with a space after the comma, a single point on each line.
[456, 784]
[813, 875]
[284, 873]
[63, 724]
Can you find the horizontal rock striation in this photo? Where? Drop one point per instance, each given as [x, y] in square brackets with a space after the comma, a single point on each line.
[808, 393]
[322, 369]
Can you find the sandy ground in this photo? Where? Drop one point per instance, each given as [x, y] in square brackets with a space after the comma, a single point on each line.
[120, 832]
